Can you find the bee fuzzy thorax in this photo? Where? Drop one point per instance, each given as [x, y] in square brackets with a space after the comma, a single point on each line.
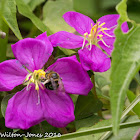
[52, 80]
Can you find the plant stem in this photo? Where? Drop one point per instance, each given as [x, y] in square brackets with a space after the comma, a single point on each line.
[136, 135]
[95, 94]
[94, 131]
[63, 130]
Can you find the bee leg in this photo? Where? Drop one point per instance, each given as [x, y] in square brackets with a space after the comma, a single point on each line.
[42, 87]
[47, 81]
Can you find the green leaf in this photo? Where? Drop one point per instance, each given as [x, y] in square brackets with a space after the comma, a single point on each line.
[9, 52]
[125, 64]
[102, 84]
[109, 3]
[8, 13]
[53, 12]
[101, 94]
[137, 78]
[127, 133]
[3, 42]
[24, 138]
[67, 51]
[87, 7]
[131, 96]
[4, 103]
[43, 127]
[89, 132]
[34, 3]
[87, 122]
[86, 106]
[25, 10]
[124, 115]
[101, 81]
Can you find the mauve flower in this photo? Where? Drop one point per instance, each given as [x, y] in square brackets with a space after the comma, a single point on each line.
[35, 103]
[95, 38]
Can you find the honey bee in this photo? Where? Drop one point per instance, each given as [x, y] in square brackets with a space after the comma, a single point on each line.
[52, 80]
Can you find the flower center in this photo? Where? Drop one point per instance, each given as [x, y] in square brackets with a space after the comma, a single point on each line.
[96, 34]
[35, 78]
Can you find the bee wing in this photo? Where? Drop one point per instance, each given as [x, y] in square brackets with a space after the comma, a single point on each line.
[61, 86]
[53, 84]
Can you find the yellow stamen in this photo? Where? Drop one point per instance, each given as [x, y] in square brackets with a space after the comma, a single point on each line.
[38, 97]
[83, 43]
[35, 78]
[36, 85]
[27, 77]
[90, 35]
[102, 24]
[104, 42]
[90, 45]
[107, 34]
[95, 33]
[85, 36]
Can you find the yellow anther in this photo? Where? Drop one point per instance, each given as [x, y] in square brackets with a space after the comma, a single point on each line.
[107, 34]
[27, 77]
[32, 80]
[90, 35]
[100, 35]
[102, 24]
[36, 85]
[93, 27]
[35, 78]
[85, 34]
[39, 73]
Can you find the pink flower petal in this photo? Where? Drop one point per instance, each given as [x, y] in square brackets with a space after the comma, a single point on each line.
[110, 20]
[125, 27]
[74, 77]
[66, 40]
[43, 37]
[80, 22]
[12, 74]
[23, 111]
[110, 40]
[33, 53]
[58, 108]
[94, 60]
[110, 23]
